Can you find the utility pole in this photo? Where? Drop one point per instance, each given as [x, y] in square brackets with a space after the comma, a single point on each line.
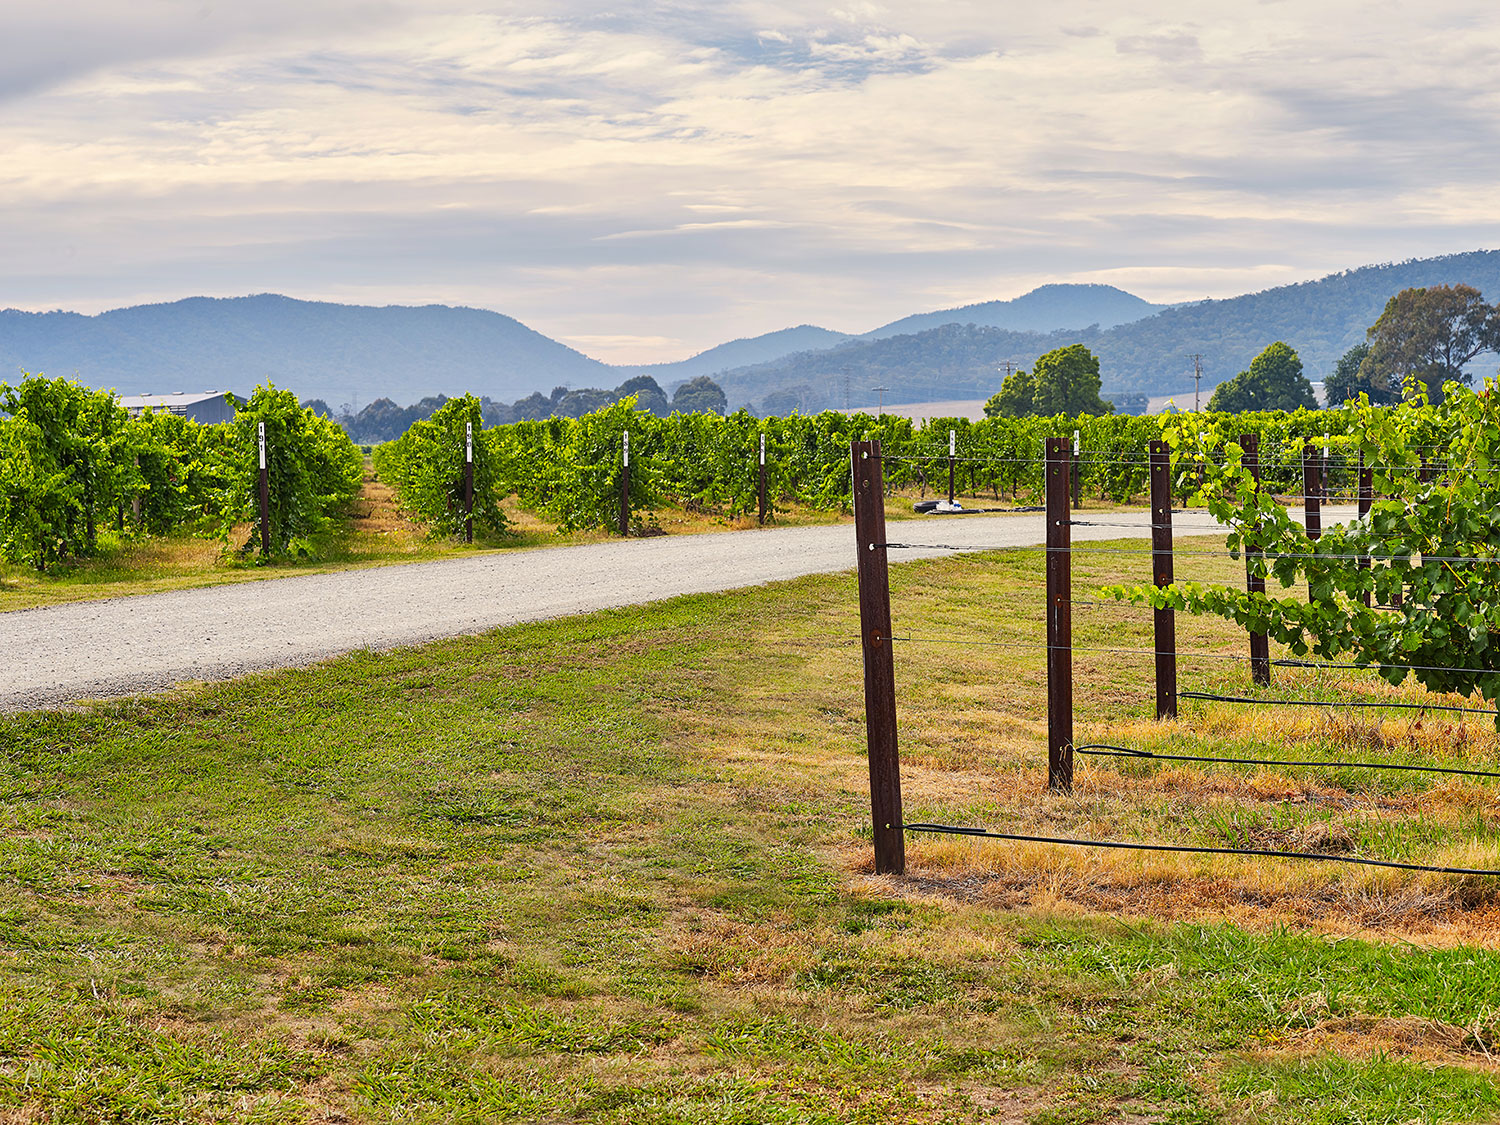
[1008, 366]
[846, 388]
[879, 410]
[1197, 377]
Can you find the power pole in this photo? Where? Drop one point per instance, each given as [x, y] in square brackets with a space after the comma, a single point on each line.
[1197, 376]
[879, 410]
[1008, 366]
[846, 388]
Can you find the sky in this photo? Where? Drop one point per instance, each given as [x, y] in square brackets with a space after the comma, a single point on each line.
[643, 181]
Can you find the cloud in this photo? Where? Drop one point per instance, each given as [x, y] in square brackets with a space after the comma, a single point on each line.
[675, 174]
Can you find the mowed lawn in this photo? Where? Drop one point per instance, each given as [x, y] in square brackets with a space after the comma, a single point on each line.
[616, 869]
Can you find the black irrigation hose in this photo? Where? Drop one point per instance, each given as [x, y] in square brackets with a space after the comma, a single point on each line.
[984, 832]
[1330, 703]
[977, 511]
[1105, 750]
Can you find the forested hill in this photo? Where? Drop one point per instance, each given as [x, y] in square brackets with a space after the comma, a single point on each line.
[741, 353]
[1045, 309]
[1320, 319]
[339, 353]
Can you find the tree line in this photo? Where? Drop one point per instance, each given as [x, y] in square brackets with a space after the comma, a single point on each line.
[1424, 339]
[383, 420]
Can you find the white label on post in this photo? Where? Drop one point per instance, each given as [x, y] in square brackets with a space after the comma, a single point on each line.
[262, 445]
[952, 443]
[1075, 443]
[625, 449]
[762, 449]
[468, 443]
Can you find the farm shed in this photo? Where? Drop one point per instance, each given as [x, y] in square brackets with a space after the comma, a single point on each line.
[206, 407]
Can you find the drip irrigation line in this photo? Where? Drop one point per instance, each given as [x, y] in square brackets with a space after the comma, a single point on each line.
[1192, 655]
[954, 830]
[937, 547]
[982, 511]
[1240, 552]
[1105, 750]
[1148, 525]
[1331, 703]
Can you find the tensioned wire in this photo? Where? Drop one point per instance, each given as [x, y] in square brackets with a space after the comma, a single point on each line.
[955, 830]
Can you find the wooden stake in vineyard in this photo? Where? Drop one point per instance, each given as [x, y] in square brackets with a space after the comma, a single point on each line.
[265, 497]
[762, 519]
[625, 483]
[468, 482]
[1255, 579]
[952, 461]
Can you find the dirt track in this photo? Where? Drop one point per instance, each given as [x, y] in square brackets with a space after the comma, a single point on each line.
[127, 645]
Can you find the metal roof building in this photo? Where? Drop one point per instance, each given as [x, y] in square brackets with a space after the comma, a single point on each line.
[201, 406]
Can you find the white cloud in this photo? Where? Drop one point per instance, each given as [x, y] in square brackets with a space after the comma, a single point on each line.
[694, 173]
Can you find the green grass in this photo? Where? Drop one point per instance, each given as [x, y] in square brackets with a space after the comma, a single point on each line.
[611, 869]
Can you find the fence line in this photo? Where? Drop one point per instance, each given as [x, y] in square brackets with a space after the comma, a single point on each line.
[1059, 478]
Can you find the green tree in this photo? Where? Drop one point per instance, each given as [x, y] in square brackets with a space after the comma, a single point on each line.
[1274, 382]
[1348, 381]
[700, 395]
[1429, 335]
[1064, 381]
[1016, 397]
[648, 395]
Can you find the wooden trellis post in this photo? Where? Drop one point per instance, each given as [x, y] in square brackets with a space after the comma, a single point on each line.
[879, 662]
[1059, 619]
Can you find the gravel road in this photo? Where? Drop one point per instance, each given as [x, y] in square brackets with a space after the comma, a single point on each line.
[122, 646]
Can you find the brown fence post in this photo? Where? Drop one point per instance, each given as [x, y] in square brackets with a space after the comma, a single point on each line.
[468, 482]
[1165, 620]
[625, 483]
[879, 662]
[1059, 619]
[1366, 499]
[1312, 496]
[762, 518]
[265, 497]
[1260, 650]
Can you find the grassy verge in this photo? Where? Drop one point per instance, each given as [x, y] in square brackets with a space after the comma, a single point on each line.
[614, 869]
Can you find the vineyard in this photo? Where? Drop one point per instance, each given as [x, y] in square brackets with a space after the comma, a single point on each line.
[570, 469]
[74, 465]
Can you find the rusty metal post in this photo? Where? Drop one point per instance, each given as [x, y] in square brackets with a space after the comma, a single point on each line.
[625, 483]
[879, 662]
[1165, 620]
[1059, 618]
[1366, 501]
[468, 482]
[1260, 650]
[265, 497]
[762, 518]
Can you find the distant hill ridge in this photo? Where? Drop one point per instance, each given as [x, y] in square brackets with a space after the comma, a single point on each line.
[341, 353]
[1045, 309]
[1321, 319]
[355, 353]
